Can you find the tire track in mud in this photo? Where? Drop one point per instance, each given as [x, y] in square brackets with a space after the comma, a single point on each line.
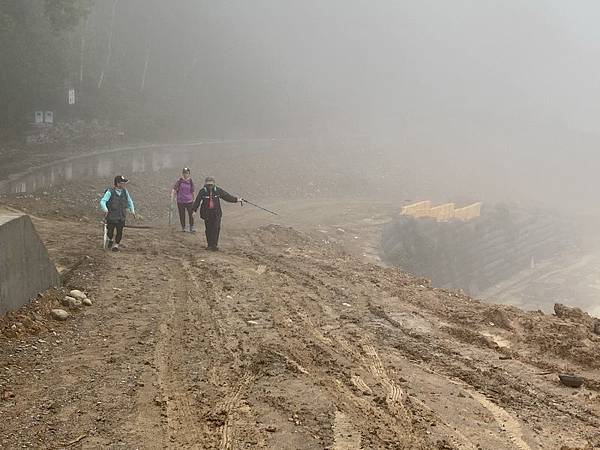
[470, 364]
[303, 309]
[225, 339]
[345, 436]
[509, 423]
[182, 423]
[286, 341]
[395, 394]
[299, 335]
[454, 435]
[360, 384]
[229, 405]
[501, 416]
[183, 315]
[305, 306]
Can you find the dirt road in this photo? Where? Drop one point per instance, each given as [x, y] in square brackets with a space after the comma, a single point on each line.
[283, 340]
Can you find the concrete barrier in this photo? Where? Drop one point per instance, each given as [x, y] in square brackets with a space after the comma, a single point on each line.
[25, 268]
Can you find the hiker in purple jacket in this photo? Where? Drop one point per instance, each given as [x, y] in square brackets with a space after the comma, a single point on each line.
[184, 191]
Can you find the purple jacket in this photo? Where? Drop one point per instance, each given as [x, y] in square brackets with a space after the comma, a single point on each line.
[185, 190]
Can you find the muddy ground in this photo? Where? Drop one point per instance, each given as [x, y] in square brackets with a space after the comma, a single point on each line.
[291, 337]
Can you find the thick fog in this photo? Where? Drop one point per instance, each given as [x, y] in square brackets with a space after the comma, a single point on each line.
[504, 93]
[491, 100]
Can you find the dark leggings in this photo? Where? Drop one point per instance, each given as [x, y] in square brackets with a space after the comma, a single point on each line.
[110, 228]
[213, 228]
[183, 207]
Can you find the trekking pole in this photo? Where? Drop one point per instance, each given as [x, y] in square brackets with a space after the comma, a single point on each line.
[105, 237]
[139, 227]
[170, 212]
[260, 207]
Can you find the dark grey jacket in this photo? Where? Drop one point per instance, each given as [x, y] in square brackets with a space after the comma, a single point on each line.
[117, 206]
[203, 199]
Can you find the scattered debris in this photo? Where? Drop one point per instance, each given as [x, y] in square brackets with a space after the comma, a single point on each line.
[569, 380]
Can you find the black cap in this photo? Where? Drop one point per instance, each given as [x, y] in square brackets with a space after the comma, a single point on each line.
[120, 179]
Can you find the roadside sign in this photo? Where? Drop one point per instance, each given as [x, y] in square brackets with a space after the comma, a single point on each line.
[49, 117]
[71, 96]
[39, 117]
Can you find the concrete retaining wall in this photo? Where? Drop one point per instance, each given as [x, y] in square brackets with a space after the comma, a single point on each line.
[133, 159]
[25, 268]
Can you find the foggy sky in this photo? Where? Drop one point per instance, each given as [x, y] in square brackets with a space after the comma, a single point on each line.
[505, 92]
[508, 88]
[369, 64]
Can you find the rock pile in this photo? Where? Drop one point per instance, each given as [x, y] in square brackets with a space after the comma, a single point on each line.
[76, 299]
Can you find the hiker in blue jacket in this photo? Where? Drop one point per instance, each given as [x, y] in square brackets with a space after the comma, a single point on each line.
[115, 203]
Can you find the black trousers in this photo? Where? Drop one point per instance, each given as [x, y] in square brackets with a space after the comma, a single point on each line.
[110, 229]
[183, 207]
[212, 225]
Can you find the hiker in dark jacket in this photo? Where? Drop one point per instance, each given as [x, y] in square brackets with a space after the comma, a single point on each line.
[183, 190]
[115, 203]
[209, 202]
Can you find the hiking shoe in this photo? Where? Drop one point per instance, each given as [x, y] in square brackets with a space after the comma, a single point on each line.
[183, 230]
[192, 230]
[115, 248]
[109, 244]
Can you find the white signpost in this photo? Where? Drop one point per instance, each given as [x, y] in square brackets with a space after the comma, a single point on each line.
[71, 96]
[39, 117]
[49, 117]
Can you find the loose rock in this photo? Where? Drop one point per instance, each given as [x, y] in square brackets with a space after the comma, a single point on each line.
[75, 304]
[77, 294]
[67, 301]
[71, 303]
[60, 314]
[87, 302]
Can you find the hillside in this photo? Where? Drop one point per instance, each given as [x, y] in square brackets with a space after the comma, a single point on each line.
[286, 338]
